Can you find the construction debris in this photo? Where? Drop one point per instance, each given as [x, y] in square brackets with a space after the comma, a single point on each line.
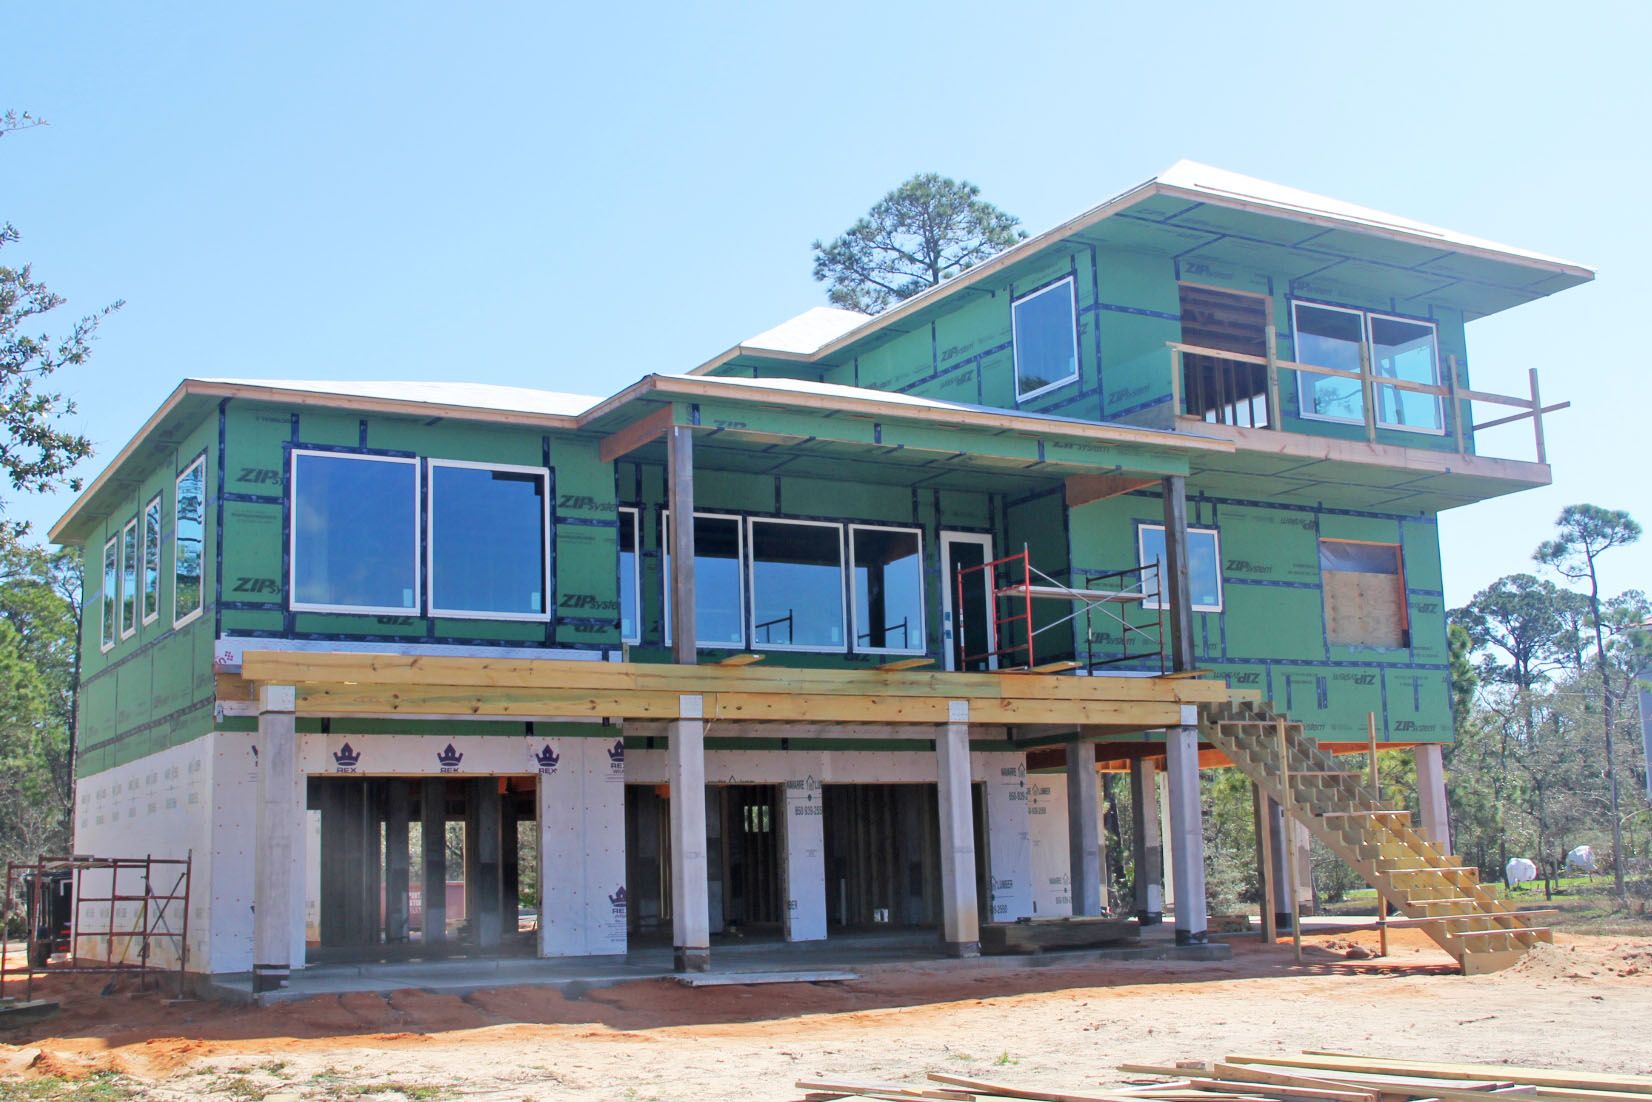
[1313, 1076]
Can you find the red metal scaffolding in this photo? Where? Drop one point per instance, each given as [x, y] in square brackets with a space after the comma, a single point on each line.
[153, 884]
[1011, 585]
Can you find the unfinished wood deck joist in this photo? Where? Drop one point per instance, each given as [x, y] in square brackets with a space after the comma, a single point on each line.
[395, 684]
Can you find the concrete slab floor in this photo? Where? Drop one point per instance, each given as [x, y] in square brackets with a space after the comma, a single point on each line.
[841, 952]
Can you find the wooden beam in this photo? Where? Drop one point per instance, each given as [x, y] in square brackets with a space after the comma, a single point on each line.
[636, 434]
[1081, 489]
[742, 659]
[391, 671]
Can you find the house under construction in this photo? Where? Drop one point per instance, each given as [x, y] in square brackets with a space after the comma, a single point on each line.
[834, 632]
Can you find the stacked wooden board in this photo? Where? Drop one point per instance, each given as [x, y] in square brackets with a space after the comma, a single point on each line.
[1309, 1077]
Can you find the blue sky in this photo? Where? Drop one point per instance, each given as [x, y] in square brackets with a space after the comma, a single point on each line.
[572, 198]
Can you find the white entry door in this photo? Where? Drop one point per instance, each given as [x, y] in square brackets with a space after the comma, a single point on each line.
[960, 551]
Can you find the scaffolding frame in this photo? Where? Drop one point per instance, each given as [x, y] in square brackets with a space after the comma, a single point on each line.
[154, 922]
[1013, 583]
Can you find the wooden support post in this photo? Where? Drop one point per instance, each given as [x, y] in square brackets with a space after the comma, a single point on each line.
[277, 837]
[1368, 392]
[960, 917]
[1187, 835]
[433, 844]
[397, 860]
[1147, 843]
[1262, 810]
[1376, 788]
[1286, 805]
[1174, 584]
[1175, 386]
[1456, 406]
[1537, 419]
[690, 898]
[1431, 795]
[1275, 417]
[482, 881]
[1083, 828]
[680, 472]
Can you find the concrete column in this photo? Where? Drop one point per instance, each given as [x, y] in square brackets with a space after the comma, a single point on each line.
[1187, 838]
[1304, 868]
[276, 893]
[804, 837]
[960, 917]
[1083, 827]
[1148, 845]
[433, 843]
[581, 805]
[1169, 858]
[1431, 793]
[686, 774]
[397, 860]
[483, 898]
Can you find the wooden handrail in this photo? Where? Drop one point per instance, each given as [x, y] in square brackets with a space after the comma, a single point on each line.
[1452, 395]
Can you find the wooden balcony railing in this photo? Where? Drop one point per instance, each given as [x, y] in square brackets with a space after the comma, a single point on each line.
[1233, 388]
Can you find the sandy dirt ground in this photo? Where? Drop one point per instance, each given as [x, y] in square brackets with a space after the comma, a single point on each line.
[1585, 1003]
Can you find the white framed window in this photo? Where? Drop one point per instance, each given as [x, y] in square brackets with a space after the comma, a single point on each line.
[354, 533]
[1044, 332]
[188, 541]
[630, 575]
[796, 585]
[886, 576]
[152, 560]
[719, 580]
[1401, 348]
[488, 540]
[129, 579]
[1204, 566]
[109, 600]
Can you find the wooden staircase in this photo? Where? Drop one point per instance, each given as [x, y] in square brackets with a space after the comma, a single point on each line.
[1435, 891]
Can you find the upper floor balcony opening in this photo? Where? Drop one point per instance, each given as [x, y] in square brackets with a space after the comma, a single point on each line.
[1355, 373]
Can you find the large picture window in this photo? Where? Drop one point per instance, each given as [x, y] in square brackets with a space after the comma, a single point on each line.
[1401, 348]
[354, 532]
[489, 541]
[719, 600]
[109, 599]
[152, 559]
[1204, 567]
[129, 578]
[796, 585]
[630, 573]
[887, 569]
[1045, 335]
[188, 536]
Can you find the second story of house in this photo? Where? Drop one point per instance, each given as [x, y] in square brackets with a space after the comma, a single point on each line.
[1207, 301]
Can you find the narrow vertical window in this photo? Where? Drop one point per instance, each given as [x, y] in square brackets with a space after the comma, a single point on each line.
[886, 565]
[1045, 335]
[129, 578]
[109, 600]
[188, 537]
[629, 576]
[152, 560]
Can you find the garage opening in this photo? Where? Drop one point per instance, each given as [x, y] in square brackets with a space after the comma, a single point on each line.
[883, 856]
[406, 867]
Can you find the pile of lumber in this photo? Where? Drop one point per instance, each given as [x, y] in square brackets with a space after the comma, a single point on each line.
[1310, 1077]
